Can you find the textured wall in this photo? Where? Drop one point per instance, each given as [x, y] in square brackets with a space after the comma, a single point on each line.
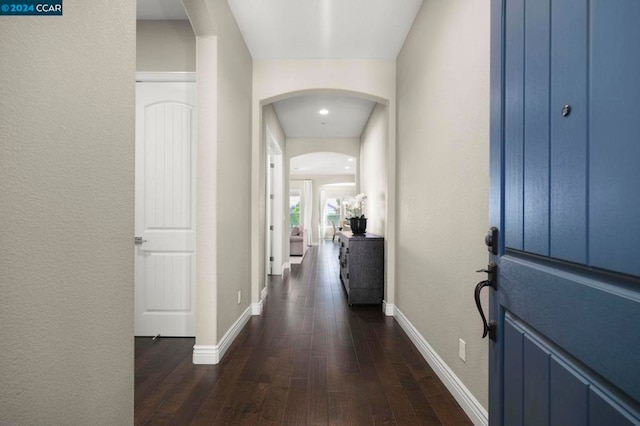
[443, 179]
[66, 209]
[167, 46]
[374, 151]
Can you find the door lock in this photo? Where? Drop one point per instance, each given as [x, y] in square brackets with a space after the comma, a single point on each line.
[491, 240]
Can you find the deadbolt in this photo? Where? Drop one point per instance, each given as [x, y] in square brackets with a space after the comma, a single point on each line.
[491, 240]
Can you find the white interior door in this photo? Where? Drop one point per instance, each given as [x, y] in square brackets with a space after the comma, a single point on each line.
[165, 209]
[270, 222]
[274, 215]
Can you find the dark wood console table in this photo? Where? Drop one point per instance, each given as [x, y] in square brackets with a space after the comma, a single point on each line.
[362, 267]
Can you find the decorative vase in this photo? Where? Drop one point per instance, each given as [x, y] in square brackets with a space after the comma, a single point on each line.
[358, 225]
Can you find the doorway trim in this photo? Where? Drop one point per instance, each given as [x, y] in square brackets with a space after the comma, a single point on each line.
[165, 77]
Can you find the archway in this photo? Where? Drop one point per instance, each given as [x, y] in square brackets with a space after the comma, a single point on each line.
[269, 88]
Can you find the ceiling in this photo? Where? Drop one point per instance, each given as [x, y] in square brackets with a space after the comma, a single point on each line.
[319, 29]
[314, 29]
[311, 29]
[323, 163]
[346, 116]
[160, 9]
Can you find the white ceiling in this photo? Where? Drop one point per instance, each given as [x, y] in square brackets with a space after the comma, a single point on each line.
[314, 29]
[322, 163]
[160, 9]
[319, 29]
[347, 116]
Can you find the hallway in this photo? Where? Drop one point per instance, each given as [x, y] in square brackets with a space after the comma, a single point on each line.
[309, 359]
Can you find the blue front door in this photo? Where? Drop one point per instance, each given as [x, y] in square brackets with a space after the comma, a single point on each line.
[565, 197]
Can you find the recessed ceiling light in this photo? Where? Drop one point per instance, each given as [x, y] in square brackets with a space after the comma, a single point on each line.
[347, 167]
[350, 159]
[323, 111]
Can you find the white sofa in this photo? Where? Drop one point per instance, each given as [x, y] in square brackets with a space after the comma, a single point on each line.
[297, 241]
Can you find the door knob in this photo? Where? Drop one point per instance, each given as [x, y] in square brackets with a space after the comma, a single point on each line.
[138, 241]
[488, 327]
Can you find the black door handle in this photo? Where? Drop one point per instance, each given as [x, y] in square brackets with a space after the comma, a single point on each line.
[490, 327]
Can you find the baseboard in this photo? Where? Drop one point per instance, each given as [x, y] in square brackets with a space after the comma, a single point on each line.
[256, 308]
[212, 354]
[465, 398]
[388, 308]
[206, 354]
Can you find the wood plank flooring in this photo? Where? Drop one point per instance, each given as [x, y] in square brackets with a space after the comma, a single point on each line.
[308, 360]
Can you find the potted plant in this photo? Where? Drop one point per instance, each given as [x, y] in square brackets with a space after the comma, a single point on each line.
[358, 222]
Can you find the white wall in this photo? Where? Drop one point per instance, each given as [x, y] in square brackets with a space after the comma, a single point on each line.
[374, 149]
[165, 46]
[443, 180]
[224, 69]
[279, 79]
[234, 166]
[66, 185]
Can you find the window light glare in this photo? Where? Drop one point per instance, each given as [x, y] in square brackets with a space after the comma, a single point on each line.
[323, 111]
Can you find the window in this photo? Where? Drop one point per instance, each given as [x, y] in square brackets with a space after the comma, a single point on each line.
[332, 212]
[294, 209]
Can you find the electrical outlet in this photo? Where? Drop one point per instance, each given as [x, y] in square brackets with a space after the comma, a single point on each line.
[239, 296]
[462, 350]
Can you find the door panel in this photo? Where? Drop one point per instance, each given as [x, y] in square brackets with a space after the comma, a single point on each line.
[167, 166]
[614, 197]
[514, 121]
[594, 319]
[536, 382]
[553, 389]
[568, 395]
[165, 209]
[568, 134]
[513, 389]
[566, 200]
[167, 282]
[536, 127]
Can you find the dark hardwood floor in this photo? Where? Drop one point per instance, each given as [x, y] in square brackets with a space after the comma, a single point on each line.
[308, 360]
